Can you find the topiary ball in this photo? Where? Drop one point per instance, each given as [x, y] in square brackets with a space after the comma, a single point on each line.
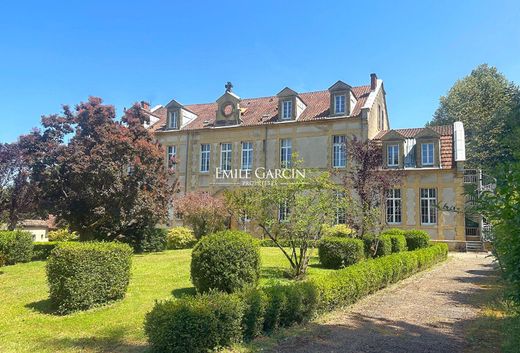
[227, 261]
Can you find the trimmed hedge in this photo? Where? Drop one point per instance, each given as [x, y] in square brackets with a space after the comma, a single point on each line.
[195, 324]
[417, 239]
[205, 322]
[335, 252]
[151, 240]
[398, 242]
[83, 275]
[226, 261]
[180, 238]
[42, 250]
[15, 246]
[382, 245]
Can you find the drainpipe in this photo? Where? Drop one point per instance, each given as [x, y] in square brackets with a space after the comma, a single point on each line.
[187, 159]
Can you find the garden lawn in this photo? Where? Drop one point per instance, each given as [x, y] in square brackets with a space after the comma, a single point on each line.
[27, 323]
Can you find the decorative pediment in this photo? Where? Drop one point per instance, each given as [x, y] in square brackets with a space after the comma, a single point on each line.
[427, 133]
[392, 135]
[340, 86]
[228, 111]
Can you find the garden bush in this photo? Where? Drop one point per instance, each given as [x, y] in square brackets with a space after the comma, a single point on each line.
[150, 240]
[42, 250]
[83, 275]
[205, 322]
[377, 246]
[195, 324]
[398, 242]
[15, 246]
[338, 230]
[335, 252]
[417, 239]
[63, 234]
[393, 231]
[226, 261]
[180, 238]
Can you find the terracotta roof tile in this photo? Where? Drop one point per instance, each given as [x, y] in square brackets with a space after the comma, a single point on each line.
[260, 111]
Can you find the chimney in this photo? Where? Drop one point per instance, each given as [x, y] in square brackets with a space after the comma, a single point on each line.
[145, 105]
[373, 82]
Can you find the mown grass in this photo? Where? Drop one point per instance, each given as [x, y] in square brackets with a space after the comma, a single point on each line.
[27, 323]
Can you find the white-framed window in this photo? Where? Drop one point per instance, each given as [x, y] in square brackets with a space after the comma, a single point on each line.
[340, 215]
[392, 155]
[173, 119]
[171, 153]
[204, 157]
[283, 211]
[287, 109]
[428, 206]
[339, 103]
[225, 156]
[339, 156]
[247, 156]
[393, 206]
[285, 153]
[427, 154]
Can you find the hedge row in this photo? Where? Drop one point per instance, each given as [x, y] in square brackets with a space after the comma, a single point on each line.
[42, 250]
[15, 246]
[207, 321]
[83, 275]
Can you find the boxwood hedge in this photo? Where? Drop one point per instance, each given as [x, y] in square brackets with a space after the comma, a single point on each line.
[335, 252]
[417, 239]
[205, 322]
[15, 246]
[83, 275]
[42, 250]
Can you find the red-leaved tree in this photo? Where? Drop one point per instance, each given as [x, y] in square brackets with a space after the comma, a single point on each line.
[204, 213]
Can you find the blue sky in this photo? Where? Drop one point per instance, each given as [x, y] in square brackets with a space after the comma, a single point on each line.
[55, 53]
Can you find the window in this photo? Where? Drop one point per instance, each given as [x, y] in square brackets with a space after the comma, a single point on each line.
[427, 154]
[339, 157]
[172, 152]
[204, 157]
[392, 155]
[225, 156]
[339, 104]
[283, 211]
[428, 206]
[340, 216]
[287, 110]
[173, 120]
[285, 153]
[247, 155]
[393, 206]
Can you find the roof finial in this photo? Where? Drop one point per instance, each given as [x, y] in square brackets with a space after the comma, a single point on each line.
[228, 86]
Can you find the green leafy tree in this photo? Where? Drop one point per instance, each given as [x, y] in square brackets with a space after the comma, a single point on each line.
[291, 212]
[483, 101]
[105, 178]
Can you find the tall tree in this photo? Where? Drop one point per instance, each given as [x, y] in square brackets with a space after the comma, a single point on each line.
[18, 194]
[483, 101]
[108, 180]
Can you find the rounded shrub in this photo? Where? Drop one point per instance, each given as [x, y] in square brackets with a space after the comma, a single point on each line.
[417, 239]
[83, 275]
[150, 240]
[335, 252]
[16, 246]
[180, 238]
[63, 234]
[195, 324]
[398, 242]
[338, 230]
[377, 246]
[393, 231]
[226, 261]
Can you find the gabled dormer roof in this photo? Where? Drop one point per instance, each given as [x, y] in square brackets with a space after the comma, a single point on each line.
[427, 133]
[173, 104]
[228, 96]
[340, 86]
[392, 135]
[287, 92]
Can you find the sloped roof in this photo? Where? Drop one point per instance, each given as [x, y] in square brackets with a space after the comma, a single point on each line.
[264, 110]
[446, 140]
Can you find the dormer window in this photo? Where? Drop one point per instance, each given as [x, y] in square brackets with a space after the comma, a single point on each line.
[339, 103]
[173, 119]
[392, 153]
[286, 109]
[427, 154]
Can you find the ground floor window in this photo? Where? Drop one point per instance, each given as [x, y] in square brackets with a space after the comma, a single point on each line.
[340, 216]
[393, 206]
[283, 211]
[428, 206]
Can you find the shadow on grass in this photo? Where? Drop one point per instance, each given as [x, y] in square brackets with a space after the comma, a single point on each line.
[182, 292]
[112, 340]
[274, 273]
[43, 306]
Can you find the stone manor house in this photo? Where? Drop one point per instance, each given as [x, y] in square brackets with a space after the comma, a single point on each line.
[235, 133]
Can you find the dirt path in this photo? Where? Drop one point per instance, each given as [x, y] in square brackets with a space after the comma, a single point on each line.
[425, 313]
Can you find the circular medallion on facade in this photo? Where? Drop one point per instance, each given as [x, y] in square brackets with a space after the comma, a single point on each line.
[227, 109]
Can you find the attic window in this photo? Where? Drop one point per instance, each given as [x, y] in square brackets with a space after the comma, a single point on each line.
[173, 120]
[339, 103]
[286, 109]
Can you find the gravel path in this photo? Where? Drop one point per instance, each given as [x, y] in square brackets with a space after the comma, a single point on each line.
[424, 313]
